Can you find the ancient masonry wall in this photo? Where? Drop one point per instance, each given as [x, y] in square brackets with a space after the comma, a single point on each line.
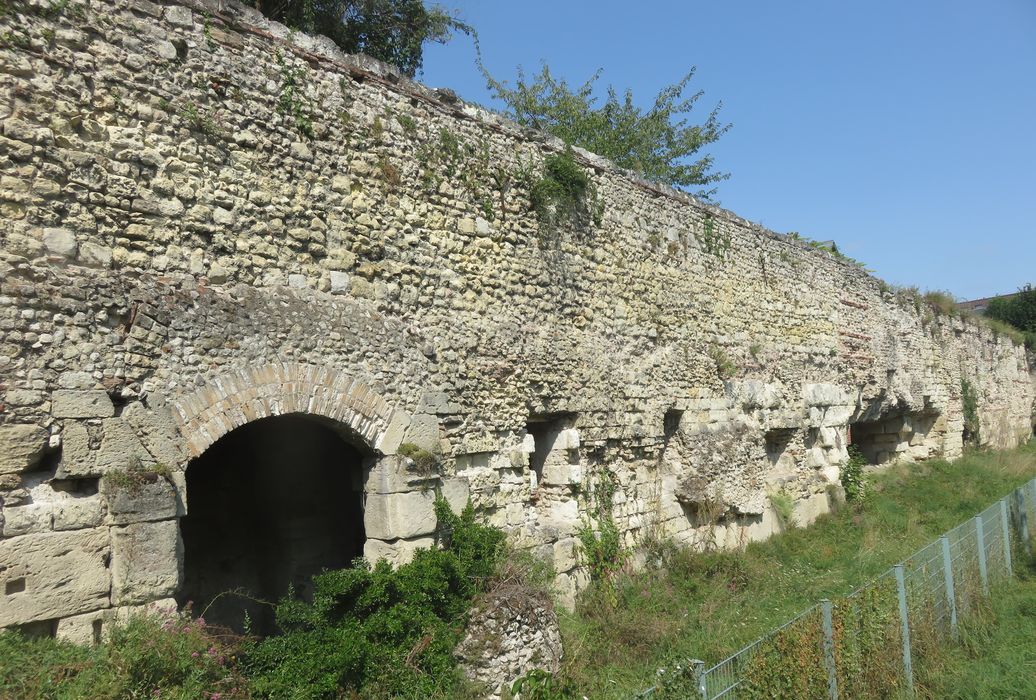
[207, 219]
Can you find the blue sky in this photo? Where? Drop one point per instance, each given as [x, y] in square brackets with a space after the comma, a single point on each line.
[904, 130]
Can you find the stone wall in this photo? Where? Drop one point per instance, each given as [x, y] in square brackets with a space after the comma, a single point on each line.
[209, 220]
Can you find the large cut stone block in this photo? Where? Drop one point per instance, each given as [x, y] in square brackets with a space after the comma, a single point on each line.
[146, 561]
[76, 457]
[53, 574]
[393, 475]
[120, 447]
[395, 515]
[20, 447]
[71, 403]
[149, 497]
[396, 553]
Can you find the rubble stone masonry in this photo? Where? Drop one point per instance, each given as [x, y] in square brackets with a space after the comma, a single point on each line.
[208, 220]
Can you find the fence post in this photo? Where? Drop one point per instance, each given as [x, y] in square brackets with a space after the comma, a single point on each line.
[951, 597]
[983, 572]
[1007, 537]
[904, 623]
[1021, 520]
[829, 648]
[699, 677]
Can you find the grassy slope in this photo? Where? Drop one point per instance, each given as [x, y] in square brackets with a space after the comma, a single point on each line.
[709, 605]
[997, 657]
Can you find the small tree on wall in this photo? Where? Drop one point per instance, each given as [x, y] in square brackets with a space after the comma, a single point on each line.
[658, 143]
[393, 31]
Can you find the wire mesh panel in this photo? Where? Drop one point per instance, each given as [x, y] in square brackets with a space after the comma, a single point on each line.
[942, 580]
[868, 641]
[788, 662]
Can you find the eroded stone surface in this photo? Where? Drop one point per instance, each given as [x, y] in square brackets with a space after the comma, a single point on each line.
[179, 261]
[53, 575]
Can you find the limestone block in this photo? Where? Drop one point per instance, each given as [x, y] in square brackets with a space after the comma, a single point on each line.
[180, 16]
[158, 433]
[568, 586]
[396, 515]
[528, 445]
[560, 473]
[823, 395]
[392, 438]
[456, 492]
[827, 437]
[28, 518]
[566, 554]
[423, 432]
[396, 552]
[391, 475]
[140, 502]
[179, 479]
[86, 629]
[78, 513]
[21, 446]
[120, 447]
[60, 241]
[339, 282]
[567, 439]
[162, 607]
[70, 403]
[76, 457]
[146, 561]
[53, 574]
[95, 255]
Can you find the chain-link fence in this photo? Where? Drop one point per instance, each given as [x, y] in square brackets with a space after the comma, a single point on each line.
[864, 644]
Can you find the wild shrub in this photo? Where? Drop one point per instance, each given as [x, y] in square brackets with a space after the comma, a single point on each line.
[377, 631]
[852, 475]
[151, 655]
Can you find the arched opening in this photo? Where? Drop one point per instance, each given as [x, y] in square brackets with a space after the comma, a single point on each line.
[269, 505]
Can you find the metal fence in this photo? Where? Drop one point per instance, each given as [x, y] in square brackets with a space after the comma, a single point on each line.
[864, 644]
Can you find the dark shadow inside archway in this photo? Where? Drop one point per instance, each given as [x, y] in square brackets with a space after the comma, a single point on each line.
[268, 506]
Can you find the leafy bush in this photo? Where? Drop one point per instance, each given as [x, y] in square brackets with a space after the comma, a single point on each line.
[852, 475]
[969, 407]
[379, 631]
[151, 655]
[658, 143]
[564, 195]
[425, 462]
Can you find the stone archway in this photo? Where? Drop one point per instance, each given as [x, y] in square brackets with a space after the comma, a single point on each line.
[231, 400]
[276, 486]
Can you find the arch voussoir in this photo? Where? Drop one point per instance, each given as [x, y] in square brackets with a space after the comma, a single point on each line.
[232, 400]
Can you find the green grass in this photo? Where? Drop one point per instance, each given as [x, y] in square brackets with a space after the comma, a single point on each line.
[997, 654]
[709, 605]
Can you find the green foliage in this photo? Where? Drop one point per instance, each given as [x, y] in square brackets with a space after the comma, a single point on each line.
[725, 367]
[537, 684]
[149, 656]
[852, 475]
[202, 120]
[784, 506]
[133, 478]
[658, 143]
[378, 631]
[564, 195]
[424, 461]
[601, 546]
[1019, 311]
[829, 246]
[292, 102]
[713, 240]
[969, 407]
[393, 31]
[708, 605]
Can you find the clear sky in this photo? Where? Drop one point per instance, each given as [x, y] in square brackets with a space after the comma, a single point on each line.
[905, 130]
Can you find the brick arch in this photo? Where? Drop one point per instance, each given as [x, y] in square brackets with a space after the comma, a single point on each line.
[231, 400]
